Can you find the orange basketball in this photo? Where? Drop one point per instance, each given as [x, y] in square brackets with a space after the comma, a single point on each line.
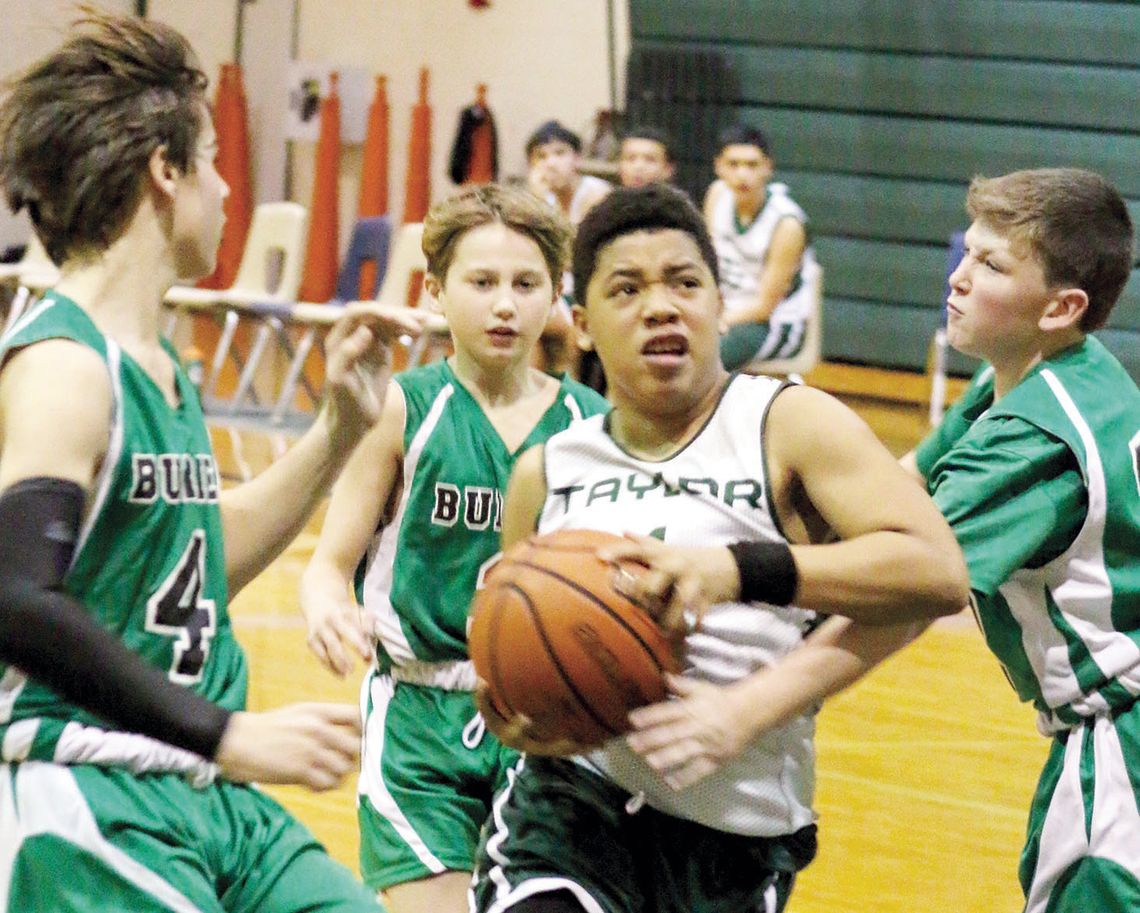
[554, 640]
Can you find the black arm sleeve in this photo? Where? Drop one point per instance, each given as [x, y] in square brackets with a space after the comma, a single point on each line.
[51, 637]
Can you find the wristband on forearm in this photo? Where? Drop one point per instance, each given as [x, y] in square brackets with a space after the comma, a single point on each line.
[767, 572]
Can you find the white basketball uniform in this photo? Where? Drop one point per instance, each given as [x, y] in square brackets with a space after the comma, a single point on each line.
[714, 491]
[743, 253]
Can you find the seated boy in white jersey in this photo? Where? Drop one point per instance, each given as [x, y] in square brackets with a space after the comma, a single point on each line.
[645, 157]
[114, 570]
[553, 155]
[740, 477]
[767, 265]
[1036, 469]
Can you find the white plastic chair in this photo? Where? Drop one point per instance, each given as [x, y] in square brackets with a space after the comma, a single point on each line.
[811, 352]
[270, 271]
[406, 264]
[32, 275]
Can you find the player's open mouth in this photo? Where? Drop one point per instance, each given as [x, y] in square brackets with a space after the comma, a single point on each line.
[672, 345]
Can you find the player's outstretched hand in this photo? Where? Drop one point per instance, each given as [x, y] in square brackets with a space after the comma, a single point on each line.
[681, 583]
[358, 355]
[520, 732]
[337, 627]
[313, 745]
[687, 738]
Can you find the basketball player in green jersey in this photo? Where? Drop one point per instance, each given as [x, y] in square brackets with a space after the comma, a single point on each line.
[119, 549]
[1037, 468]
[423, 497]
[742, 478]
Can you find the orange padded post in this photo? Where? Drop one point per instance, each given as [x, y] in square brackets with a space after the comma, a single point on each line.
[374, 173]
[417, 193]
[230, 121]
[319, 282]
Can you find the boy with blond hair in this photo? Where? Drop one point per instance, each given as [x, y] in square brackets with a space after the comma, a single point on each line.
[1037, 469]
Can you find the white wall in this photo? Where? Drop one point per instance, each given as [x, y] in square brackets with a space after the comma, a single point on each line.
[539, 58]
[31, 29]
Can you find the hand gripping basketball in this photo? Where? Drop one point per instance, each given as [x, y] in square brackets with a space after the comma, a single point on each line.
[557, 643]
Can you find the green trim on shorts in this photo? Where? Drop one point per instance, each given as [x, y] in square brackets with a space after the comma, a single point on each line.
[426, 782]
[1091, 785]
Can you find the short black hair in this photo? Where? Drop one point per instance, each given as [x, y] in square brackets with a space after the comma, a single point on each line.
[656, 134]
[629, 209]
[553, 132]
[743, 135]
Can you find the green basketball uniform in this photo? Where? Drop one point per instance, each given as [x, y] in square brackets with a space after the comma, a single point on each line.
[149, 565]
[1042, 489]
[713, 491]
[428, 770]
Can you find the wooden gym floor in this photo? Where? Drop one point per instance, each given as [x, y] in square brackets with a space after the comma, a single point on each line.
[925, 768]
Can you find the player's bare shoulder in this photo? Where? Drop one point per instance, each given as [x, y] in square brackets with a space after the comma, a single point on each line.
[56, 405]
[804, 425]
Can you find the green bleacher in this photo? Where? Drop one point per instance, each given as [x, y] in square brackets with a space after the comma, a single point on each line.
[880, 112]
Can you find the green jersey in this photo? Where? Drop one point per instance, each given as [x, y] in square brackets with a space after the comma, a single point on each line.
[1042, 489]
[148, 565]
[425, 562]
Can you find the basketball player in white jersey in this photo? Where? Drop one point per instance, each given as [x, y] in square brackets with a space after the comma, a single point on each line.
[766, 261]
[776, 506]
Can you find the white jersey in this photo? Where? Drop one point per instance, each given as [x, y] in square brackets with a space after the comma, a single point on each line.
[714, 491]
[743, 252]
[588, 186]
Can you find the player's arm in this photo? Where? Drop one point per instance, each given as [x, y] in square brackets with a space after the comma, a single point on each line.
[896, 559]
[785, 251]
[712, 197]
[355, 510]
[55, 414]
[263, 516]
[522, 506]
[526, 494]
[909, 463]
[687, 738]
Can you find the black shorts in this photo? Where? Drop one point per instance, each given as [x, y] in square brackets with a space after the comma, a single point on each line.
[559, 826]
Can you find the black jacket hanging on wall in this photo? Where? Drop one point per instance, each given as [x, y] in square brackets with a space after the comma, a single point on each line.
[471, 119]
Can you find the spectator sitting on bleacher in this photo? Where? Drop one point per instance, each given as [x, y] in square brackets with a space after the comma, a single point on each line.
[762, 249]
[553, 155]
[645, 157]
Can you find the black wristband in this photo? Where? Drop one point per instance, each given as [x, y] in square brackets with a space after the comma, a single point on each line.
[767, 572]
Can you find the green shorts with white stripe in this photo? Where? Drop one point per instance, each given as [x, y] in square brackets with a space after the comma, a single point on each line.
[1083, 848]
[428, 773]
[89, 839]
[561, 827]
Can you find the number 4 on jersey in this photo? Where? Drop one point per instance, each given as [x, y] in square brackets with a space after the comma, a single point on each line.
[177, 610]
